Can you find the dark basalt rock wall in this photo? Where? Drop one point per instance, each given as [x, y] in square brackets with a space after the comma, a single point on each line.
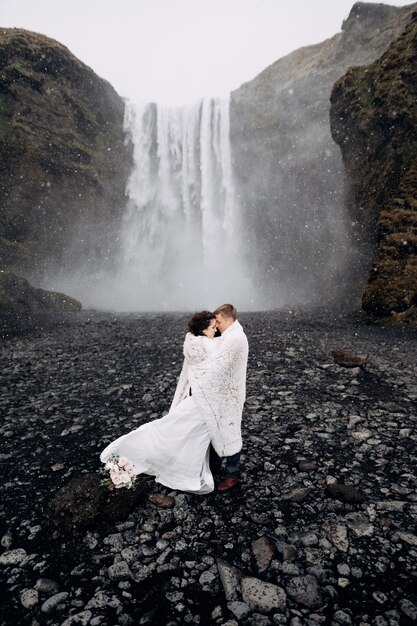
[289, 170]
[24, 308]
[374, 120]
[63, 160]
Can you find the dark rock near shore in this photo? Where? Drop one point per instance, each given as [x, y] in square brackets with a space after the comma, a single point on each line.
[24, 308]
[17, 296]
[86, 504]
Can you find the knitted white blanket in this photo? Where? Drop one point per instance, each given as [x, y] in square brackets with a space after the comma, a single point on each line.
[215, 370]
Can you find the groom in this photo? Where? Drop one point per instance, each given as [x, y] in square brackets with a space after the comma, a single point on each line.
[234, 352]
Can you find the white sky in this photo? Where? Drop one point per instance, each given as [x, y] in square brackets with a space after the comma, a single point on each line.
[176, 51]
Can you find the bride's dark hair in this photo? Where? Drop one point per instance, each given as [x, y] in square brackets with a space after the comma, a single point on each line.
[199, 322]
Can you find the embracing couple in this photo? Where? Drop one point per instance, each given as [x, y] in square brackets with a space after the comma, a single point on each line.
[201, 435]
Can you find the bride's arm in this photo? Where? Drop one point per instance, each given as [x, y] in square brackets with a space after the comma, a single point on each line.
[196, 349]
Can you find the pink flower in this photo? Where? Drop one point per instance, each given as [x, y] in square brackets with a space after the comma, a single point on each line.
[123, 461]
[116, 478]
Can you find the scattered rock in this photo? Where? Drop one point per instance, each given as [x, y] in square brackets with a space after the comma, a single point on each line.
[239, 609]
[14, 557]
[337, 534]
[305, 590]
[29, 598]
[296, 495]
[263, 550]
[348, 359]
[360, 524]
[262, 596]
[119, 571]
[51, 603]
[161, 500]
[345, 493]
[231, 578]
[86, 504]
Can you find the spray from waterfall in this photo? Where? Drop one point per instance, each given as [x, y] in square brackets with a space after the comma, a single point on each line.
[181, 235]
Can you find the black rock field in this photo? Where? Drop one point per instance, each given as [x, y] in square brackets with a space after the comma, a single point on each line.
[322, 530]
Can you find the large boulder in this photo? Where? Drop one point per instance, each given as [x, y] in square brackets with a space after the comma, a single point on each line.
[87, 504]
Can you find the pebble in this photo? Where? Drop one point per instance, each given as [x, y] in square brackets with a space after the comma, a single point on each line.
[79, 619]
[29, 598]
[305, 590]
[119, 571]
[51, 603]
[239, 609]
[14, 557]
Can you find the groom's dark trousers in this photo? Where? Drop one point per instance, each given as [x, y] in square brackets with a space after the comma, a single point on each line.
[225, 467]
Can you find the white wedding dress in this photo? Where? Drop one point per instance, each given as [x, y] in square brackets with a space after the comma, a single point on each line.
[174, 449]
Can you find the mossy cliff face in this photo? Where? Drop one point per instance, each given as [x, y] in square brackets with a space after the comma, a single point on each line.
[289, 170]
[374, 120]
[63, 160]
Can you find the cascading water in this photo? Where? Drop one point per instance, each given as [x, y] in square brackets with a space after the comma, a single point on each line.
[181, 236]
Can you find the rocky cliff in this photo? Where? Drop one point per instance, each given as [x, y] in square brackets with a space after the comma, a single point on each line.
[63, 160]
[374, 120]
[289, 170]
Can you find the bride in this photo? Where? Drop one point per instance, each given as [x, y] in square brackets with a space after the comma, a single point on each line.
[175, 448]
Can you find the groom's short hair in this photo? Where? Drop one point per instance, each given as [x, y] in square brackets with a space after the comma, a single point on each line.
[226, 310]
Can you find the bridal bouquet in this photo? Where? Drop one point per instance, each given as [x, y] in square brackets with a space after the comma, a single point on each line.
[122, 472]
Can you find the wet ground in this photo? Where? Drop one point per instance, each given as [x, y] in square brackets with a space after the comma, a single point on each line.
[308, 423]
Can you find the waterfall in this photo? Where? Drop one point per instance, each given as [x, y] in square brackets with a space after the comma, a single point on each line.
[181, 235]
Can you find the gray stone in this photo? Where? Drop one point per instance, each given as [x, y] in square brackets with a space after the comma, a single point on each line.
[337, 534]
[290, 569]
[343, 618]
[101, 600]
[262, 596]
[7, 540]
[13, 557]
[359, 524]
[231, 578]
[289, 552]
[305, 590]
[309, 539]
[239, 609]
[409, 609]
[29, 598]
[115, 541]
[207, 578]
[46, 585]
[138, 575]
[296, 495]
[51, 603]
[119, 571]
[79, 619]
[408, 538]
[391, 506]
